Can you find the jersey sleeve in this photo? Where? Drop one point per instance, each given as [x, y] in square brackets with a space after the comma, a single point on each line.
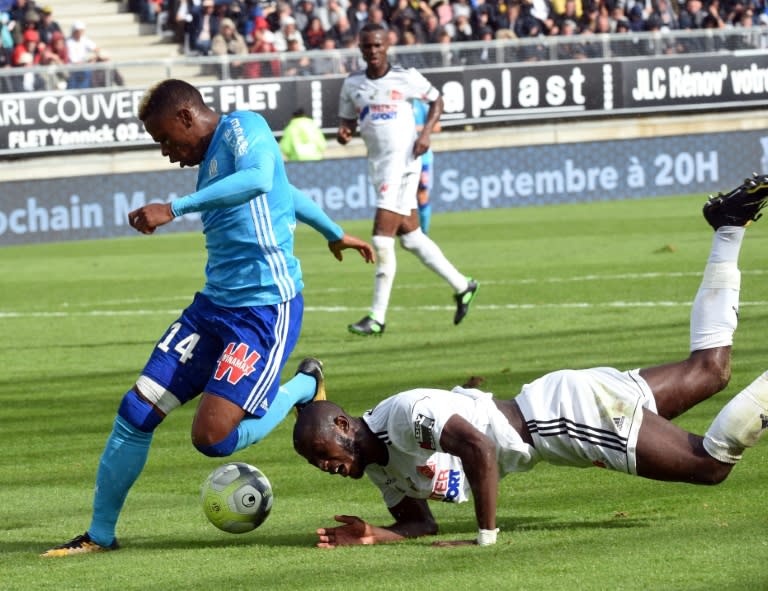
[253, 174]
[423, 88]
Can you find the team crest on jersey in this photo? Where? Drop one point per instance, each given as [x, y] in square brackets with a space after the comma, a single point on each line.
[423, 432]
[213, 168]
[427, 471]
[235, 362]
[396, 95]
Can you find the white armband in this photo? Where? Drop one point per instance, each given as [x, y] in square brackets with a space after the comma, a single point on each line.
[486, 537]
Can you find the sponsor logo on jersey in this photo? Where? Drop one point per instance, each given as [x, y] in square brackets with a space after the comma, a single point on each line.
[383, 112]
[236, 362]
[447, 486]
[213, 168]
[428, 471]
[422, 430]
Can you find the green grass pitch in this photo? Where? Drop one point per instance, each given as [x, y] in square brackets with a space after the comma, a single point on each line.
[605, 283]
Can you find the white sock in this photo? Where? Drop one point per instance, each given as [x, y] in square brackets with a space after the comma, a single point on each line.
[430, 254]
[386, 267]
[714, 316]
[740, 424]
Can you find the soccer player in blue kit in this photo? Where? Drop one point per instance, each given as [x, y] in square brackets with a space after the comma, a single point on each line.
[231, 343]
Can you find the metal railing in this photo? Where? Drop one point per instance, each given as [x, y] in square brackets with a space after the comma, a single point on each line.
[428, 57]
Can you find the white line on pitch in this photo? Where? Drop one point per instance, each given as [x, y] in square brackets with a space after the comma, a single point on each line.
[345, 309]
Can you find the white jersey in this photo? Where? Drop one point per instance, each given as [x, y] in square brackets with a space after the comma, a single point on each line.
[411, 423]
[384, 113]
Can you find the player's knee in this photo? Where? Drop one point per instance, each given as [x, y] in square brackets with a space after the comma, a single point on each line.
[412, 241]
[206, 445]
[138, 411]
[713, 473]
[715, 364]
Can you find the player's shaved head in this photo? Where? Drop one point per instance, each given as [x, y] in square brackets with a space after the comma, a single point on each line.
[316, 424]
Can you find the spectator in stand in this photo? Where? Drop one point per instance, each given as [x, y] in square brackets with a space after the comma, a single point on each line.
[231, 43]
[573, 49]
[665, 14]
[31, 45]
[330, 60]
[330, 13]
[541, 11]
[107, 75]
[21, 10]
[636, 18]
[563, 10]
[342, 32]
[302, 138]
[411, 59]
[48, 26]
[81, 50]
[297, 65]
[692, 15]
[358, 15]
[432, 29]
[7, 41]
[287, 33]
[56, 54]
[262, 43]
[6, 82]
[376, 16]
[314, 35]
[205, 25]
[30, 80]
[304, 13]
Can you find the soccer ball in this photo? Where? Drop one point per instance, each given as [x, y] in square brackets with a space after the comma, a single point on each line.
[236, 497]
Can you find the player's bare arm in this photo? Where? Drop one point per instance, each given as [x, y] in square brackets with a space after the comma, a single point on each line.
[478, 457]
[347, 241]
[146, 219]
[431, 124]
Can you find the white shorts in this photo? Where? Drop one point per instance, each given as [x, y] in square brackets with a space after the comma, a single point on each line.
[396, 187]
[587, 417]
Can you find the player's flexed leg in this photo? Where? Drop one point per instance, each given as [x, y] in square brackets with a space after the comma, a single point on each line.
[217, 351]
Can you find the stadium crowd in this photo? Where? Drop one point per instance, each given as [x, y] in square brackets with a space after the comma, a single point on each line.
[274, 26]
[30, 34]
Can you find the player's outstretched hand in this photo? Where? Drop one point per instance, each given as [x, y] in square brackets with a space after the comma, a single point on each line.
[354, 531]
[146, 219]
[347, 241]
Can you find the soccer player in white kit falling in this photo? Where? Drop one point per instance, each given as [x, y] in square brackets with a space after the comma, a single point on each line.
[378, 100]
[443, 445]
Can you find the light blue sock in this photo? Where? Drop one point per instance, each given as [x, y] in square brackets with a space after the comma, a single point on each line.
[425, 217]
[300, 388]
[121, 463]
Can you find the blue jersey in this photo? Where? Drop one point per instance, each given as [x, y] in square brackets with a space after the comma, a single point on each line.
[248, 215]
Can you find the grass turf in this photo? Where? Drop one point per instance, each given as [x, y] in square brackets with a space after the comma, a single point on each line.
[562, 286]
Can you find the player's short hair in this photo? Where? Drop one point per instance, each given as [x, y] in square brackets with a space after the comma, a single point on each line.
[373, 28]
[168, 94]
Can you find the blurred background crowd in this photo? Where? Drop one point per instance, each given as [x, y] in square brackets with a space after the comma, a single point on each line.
[31, 35]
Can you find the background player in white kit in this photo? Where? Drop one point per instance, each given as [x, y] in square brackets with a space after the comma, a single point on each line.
[378, 99]
[435, 444]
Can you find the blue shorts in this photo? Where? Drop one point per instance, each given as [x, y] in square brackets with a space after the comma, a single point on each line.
[235, 353]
